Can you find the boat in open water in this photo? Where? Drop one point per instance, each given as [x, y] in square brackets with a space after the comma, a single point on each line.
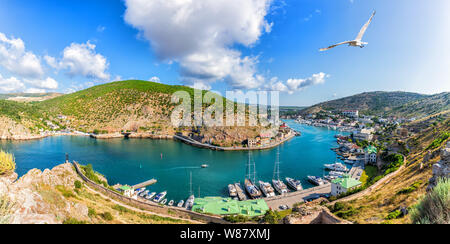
[266, 189]
[294, 184]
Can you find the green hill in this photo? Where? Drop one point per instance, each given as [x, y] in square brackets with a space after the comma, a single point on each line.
[423, 107]
[377, 103]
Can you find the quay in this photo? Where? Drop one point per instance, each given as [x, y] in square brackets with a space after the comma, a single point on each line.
[144, 184]
[292, 198]
[192, 142]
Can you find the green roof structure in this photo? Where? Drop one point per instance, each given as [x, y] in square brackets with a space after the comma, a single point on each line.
[346, 182]
[228, 206]
[125, 188]
[371, 149]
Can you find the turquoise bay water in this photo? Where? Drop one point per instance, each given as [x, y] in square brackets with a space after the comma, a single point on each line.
[131, 161]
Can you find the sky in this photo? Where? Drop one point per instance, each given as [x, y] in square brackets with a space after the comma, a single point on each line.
[65, 46]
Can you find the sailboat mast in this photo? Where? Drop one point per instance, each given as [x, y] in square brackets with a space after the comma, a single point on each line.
[190, 185]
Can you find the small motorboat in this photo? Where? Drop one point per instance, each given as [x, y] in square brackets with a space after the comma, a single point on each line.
[164, 202]
[204, 166]
[180, 204]
[171, 203]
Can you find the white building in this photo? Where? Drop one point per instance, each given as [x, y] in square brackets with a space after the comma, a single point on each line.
[351, 113]
[370, 155]
[342, 185]
[364, 134]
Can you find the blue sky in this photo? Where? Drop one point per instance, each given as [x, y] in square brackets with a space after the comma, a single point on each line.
[94, 41]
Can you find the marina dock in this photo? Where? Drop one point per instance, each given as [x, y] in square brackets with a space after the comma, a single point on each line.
[292, 198]
[240, 192]
[144, 184]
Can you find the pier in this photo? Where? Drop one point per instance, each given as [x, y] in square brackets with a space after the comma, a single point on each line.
[144, 184]
[292, 198]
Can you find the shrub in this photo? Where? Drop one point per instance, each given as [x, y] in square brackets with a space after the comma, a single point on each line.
[394, 215]
[271, 217]
[107, 216]
[434, 208]
[5, 209]
[121, 209]
[73, 221]
[236, 218]
[410, 189]
[438, 141]
[78, 184]
[7, 162]
[91, 212]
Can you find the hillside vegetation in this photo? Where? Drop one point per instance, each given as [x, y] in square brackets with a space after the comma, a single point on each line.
[423, 107]
[405, 189]
[368, 103]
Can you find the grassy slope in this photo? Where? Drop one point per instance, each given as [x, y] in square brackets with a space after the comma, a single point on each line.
[423, 107]
[375, 207]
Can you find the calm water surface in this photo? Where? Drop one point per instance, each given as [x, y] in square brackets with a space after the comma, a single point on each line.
[131, 161]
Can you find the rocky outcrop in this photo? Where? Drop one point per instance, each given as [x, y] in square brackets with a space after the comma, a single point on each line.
[36, 198]
[313, 215]
[442, 168]
[11, 130]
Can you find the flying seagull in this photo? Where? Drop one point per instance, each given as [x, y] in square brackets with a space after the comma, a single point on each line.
[357, 42]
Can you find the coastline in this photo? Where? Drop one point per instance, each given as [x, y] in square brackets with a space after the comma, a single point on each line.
[187, 141]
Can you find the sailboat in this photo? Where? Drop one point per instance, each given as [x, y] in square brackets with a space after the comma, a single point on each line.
[278, 184]
[250, 187]
[190, 201]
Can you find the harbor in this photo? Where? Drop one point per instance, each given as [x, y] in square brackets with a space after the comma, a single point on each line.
[133, 161]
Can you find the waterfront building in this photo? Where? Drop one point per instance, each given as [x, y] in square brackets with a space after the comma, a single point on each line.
[342, 185]
[364, 134]
[370, 155]
[127, 191]
[351, 113]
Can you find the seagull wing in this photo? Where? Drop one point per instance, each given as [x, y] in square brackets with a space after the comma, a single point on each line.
[364, 28]
[335, 45]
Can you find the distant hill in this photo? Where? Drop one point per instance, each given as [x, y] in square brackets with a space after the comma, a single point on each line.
[368, 103]
[29, 97]
[423, 107]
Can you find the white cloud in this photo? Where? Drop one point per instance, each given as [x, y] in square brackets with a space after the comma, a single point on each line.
[81, 59]
[155, 79]
[293, 85]
[15, 58]
[13, 84]
[200, 36]
[10, 85]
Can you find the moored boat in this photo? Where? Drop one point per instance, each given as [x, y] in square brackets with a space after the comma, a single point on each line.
[240, 192]
[189, 202]
[160, 197]
[252, 189]
[171, 203]
[279, 186]
[149, 196]
[163, 202]
[232, 190]
[180, 204]
[336, 167]
[266, 189]
[316, 180]
[294, 184]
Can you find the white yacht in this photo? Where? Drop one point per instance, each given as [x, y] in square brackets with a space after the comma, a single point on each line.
[267, 189]
[189, 202]
[294, 184]
[232, 191]
[160, 197]
[336, 167]
[279, 186]
[150, 196]
[316, 180]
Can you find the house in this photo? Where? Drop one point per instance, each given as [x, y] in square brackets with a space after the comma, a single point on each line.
[127, 191]
[351, 113]
[342, 185]
[370, 155]
[252, 142]
[403, 132]
[364, 134]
